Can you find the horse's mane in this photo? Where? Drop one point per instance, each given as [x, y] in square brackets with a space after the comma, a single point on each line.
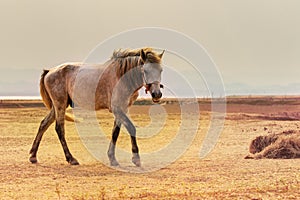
[152, 56]
[130, 58]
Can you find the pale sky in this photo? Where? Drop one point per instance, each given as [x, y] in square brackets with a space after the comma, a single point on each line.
[254, 43]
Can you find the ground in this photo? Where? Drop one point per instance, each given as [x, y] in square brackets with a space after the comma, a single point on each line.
[223, 174]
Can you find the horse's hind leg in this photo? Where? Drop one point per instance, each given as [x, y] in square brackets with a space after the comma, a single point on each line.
[59, 127]
[112, 145]
[44, 125]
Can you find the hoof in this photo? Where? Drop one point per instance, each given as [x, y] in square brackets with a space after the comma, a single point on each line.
[33, 160]
[114, 163]
[112, 159]
[136, 160]
[73, 161]
[137, 163]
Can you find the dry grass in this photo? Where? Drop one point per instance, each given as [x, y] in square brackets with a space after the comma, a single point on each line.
[223, 174]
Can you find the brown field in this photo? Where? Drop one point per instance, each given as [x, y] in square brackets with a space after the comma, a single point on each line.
[223, 174]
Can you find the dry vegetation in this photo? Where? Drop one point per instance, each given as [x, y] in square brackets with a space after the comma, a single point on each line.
[285, 145]
[223, 174]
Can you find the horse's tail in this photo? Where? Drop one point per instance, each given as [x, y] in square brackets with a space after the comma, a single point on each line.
[70, 118]
[45, 95]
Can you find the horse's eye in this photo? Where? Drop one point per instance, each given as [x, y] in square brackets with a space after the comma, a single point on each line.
[161, 86]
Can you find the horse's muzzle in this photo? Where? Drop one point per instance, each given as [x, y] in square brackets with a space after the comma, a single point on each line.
[155, 92]
[156, 96]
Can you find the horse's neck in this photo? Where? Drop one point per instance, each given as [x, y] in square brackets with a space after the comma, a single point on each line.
[125, 92]
[133, 77]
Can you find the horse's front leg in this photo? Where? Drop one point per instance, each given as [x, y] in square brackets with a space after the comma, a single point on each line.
[112, 145]
[120, 115]
[135, 150]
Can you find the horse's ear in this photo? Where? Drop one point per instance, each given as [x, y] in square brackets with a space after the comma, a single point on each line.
[143, 55]
[161, 54]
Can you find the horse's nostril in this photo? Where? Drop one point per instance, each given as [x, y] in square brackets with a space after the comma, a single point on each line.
[159, 95]
[156, 94]
[153, 95]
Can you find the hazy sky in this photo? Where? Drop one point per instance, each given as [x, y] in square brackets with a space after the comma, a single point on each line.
[255, 43]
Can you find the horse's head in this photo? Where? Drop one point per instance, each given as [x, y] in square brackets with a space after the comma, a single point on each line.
[152, 73]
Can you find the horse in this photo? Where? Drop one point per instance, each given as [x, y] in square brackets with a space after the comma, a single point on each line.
[116, 84]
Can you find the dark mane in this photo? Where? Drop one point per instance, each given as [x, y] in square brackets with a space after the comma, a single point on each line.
[130, 58]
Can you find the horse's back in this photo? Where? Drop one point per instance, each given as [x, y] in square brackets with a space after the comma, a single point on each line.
[86, 85]
[62, 71]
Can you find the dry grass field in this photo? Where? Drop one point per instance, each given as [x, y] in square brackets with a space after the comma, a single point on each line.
[223, 174]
